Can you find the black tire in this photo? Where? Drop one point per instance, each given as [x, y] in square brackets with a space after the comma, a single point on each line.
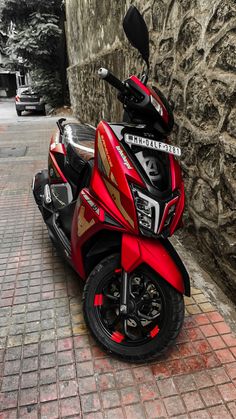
[18, 113]
[160, 334]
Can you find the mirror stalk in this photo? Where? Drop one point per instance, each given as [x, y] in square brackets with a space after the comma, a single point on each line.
[145, 74]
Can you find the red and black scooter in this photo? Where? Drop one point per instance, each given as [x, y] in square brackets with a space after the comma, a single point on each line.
[110, 200]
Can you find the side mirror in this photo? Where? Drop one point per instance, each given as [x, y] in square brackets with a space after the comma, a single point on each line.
[137, 32]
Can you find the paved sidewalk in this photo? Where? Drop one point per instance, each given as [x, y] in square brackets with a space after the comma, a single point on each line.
[50, 366]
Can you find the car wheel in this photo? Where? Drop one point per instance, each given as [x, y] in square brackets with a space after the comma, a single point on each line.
[18, 113]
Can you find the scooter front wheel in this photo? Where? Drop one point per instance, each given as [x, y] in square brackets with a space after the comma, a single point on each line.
[152, 321]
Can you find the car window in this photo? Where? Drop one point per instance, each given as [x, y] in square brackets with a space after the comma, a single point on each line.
[25, 89]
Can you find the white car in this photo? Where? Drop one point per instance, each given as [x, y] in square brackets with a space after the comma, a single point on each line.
[27, 100]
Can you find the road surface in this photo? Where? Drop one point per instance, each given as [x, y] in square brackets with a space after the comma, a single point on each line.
[8, 113]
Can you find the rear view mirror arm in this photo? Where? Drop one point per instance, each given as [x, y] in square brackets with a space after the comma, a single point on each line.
[60, 126]
[145, 74]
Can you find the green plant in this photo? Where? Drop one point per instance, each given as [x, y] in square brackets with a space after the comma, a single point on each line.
[36, 43]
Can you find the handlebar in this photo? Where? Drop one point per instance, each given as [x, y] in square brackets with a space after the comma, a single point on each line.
[105, 74]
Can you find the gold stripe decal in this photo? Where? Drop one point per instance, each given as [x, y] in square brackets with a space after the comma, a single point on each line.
[106, 159]
[83, 224]
[115, 194]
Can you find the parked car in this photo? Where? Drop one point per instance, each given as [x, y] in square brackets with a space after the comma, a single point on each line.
[28, 100]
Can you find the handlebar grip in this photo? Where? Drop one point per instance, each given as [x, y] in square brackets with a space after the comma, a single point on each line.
[105, 74]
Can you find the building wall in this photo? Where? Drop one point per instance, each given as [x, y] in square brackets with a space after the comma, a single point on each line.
[7, 84]
[193, 61]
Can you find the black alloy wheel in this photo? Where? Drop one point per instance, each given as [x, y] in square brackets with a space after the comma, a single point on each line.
[154, 316]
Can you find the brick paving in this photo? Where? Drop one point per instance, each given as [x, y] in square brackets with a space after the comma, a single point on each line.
[50, 367]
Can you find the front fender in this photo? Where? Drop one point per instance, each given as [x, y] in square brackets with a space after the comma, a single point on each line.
[160, 255]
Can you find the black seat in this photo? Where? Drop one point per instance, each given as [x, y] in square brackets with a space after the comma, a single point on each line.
[79, 142]
[74, 159]
[78, 133]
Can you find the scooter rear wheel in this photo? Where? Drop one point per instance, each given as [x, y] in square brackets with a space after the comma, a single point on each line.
[155, 311]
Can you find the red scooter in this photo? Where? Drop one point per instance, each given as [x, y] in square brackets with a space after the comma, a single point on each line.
[110, 199]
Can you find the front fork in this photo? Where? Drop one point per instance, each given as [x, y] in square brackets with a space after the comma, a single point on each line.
[125, 304]
[124, 294]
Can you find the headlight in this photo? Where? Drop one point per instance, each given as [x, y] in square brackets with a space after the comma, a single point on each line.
[148, 210]
[156, 105]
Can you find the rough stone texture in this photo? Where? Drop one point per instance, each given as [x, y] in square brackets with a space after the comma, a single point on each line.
[193, 60]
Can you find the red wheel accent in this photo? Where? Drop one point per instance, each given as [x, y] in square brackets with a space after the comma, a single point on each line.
[154, 331]
[117, 337]
[98, 300]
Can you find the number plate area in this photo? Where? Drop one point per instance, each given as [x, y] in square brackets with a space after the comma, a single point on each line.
[152, 144]
[30, 107]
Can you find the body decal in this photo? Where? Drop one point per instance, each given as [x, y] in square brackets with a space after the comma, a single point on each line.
[83, 224]
[98, 300]
[106, 159]
[91, 203]
[124, 157]
[115, 194]
[117, 337]
[154, 331]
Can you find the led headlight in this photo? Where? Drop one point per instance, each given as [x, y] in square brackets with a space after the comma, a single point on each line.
[148, 210]
[156, 105]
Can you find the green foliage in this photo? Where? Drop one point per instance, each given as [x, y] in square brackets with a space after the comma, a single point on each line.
[37, 43]
[3, 41]
[48, 84]
[18, 11]
[35, 29]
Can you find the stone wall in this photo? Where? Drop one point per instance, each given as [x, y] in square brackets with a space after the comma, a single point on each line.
[193, 60]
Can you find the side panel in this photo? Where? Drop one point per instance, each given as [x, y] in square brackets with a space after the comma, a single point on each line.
[109, 183]
[177, 219]
[88, 219]
[160, 257]
[177, 184]
[176, 176]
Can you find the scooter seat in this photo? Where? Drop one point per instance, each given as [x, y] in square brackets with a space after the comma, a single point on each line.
[79, 142]
[80, 138]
